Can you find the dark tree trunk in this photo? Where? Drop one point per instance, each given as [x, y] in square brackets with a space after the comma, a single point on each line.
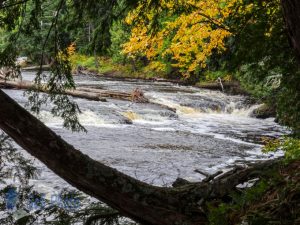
[291, 12]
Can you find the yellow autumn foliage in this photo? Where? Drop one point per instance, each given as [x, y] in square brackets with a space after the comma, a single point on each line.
[67, 54]
[187, 39]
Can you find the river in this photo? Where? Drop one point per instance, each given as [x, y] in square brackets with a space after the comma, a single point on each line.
[209, 131]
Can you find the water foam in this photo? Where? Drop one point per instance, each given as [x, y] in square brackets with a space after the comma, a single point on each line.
[86, 118]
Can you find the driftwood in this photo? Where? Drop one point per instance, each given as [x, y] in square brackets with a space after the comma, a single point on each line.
[34, 68]
[80, 70]
[138, 96]
[42, 88]
[217, 85]
[106, 93]
[81, 92]
[87, 93]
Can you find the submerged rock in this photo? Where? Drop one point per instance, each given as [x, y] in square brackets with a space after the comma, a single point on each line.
[169, 114]
[204, 105]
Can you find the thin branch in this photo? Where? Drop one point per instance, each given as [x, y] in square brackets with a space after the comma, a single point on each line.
[54, 22]
[213, 22]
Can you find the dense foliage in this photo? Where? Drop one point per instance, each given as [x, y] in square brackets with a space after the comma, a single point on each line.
[184, 41]
[194, 40]
[242, 40]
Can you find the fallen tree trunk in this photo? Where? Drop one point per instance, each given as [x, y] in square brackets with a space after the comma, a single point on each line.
[35, 68]
[29, 85]
[216, 85]
[125, 96]
[135, 199]
[81, 92]
[107, 94]
[84, 92]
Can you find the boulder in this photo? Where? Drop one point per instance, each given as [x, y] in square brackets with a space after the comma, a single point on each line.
[264, 111]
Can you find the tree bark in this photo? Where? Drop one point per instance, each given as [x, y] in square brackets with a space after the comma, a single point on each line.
[135, 199]
[291, 13]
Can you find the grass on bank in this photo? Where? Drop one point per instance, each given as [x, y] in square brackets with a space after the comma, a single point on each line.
[106, 66]
[131, 69]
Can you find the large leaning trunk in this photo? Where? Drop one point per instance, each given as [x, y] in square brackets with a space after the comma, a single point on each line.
[291, 11]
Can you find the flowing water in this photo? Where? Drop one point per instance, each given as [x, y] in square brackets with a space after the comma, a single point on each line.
[209, 131]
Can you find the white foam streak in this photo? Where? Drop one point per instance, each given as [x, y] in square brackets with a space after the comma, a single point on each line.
[86, 118]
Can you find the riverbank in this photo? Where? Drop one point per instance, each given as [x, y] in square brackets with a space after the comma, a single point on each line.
[214, 81]
[229, 87]
[105, 67]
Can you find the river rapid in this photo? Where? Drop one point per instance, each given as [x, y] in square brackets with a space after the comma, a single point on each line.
[209, 131]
